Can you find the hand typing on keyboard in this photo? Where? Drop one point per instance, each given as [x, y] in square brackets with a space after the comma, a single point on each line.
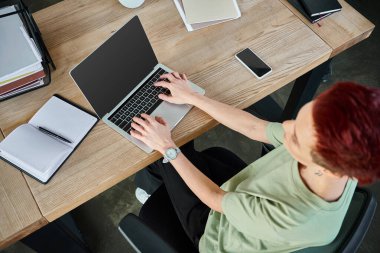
[179, 87]
[153, 131]
[144, 100]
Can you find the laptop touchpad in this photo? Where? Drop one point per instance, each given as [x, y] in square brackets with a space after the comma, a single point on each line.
[172, 113]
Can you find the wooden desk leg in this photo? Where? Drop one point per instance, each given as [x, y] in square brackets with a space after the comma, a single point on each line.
[304, 90]
[60, 236]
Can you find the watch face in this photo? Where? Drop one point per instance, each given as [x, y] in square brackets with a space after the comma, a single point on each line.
[171, 153]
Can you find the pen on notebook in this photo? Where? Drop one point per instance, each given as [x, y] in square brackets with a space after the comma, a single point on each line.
[44, 130]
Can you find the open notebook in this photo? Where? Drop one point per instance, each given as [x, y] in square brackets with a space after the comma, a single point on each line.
[40, 146]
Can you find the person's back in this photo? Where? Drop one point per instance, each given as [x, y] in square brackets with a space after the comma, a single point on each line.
[268, 208]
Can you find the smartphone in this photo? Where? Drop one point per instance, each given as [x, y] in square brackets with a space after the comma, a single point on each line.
[253, 63]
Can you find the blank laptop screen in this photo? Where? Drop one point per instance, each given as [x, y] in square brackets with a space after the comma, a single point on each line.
[116, 67]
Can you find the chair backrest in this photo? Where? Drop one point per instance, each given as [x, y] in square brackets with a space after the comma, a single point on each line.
[354, 227]
[141, 237]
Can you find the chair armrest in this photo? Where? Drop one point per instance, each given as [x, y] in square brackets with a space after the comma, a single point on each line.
[363, 221]
[141, 237]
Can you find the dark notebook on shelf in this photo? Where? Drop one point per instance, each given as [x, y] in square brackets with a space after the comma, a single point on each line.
[296, 4]
[320, 7]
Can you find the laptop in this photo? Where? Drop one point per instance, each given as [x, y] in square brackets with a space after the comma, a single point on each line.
[117, 80]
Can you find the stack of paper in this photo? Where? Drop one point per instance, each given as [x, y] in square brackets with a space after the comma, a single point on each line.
[197, 14]
[20, 60]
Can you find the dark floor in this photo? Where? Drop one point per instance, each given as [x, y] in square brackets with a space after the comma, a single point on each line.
[98, 218]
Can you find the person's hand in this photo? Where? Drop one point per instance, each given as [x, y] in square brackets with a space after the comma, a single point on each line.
[154, 132]
[179, 87]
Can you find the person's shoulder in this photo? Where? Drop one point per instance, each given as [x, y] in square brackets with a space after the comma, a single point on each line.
[275, 133]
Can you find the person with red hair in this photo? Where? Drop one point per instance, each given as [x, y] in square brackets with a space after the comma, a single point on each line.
[294, 197]
[347, 126]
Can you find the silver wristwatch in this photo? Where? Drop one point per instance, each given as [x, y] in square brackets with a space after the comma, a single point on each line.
[171, 154]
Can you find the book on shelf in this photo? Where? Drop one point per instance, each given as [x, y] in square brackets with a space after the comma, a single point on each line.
[23, 81]
[26, 87]
[199, 14]
[20, 62]
[320, 7]
[42, 145]
[296, 4]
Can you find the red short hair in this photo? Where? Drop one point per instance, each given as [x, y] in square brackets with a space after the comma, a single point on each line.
[347, 123]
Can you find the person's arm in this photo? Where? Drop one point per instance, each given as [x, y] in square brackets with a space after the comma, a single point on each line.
[155, 133]
[236, 119]
[233, 118]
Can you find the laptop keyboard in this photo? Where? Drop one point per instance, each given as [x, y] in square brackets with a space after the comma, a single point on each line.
[144, 100]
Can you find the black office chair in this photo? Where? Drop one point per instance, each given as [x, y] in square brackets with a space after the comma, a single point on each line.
[157, 228]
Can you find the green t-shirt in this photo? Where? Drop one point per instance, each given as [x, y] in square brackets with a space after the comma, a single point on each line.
[268, 208]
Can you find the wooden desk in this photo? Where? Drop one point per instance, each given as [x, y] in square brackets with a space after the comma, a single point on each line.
[73, 29]
[340, 30]
[19, 213]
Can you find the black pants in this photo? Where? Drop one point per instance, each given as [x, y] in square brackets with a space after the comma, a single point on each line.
[218, 164]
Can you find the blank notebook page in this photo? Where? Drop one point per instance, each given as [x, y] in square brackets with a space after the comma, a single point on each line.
[64, 119]
[33, 150]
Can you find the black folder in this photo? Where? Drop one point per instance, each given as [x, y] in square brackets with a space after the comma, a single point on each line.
[320, 7]
[296, 4]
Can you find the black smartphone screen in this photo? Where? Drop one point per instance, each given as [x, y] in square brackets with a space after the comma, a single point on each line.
[254, 63]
